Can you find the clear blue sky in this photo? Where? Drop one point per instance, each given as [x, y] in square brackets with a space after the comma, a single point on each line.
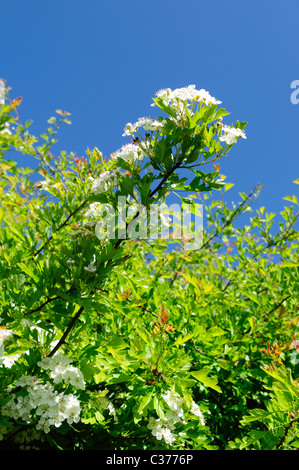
[103, 62]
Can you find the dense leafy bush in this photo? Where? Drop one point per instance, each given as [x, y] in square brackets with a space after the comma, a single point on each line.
[139, 343]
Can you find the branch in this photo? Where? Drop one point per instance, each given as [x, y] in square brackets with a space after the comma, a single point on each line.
[60, 227]
[142, 307]
[51, 299]
[278, 305]
[154, 191]
[231, 218]
[67, 331]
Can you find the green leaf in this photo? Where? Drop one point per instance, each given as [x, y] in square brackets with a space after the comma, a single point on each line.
[292, 199]
[202, 376]
[255, 415]
[144, 403]
[29, 270]
[183, 339]
[166, 108]
[143, 335]
[158, 407]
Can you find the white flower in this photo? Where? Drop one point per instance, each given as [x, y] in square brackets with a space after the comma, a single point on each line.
[188, 93]
[8, 361]
[62, 370]
[42, 399]
[54, 361]
[150, 124]
[92, 211]
[129, 153]
[162, 429]
[130, 129]
[43, 425]
[5, 334]
[231, 135]
[111, 409]
[147, 123]
[104, 182]
[175, 402]
[169, 438]
[90, 268]
[27, 381]
[197, 412]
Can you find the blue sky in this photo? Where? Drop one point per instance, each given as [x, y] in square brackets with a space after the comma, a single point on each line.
[104, 61]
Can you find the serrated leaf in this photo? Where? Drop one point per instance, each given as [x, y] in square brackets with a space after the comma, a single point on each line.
[202, 376]
[291, 199]
[255, 415]
[183, 339]
[28, 270]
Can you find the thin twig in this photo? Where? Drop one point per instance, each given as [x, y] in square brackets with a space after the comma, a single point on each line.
[66, 333]
[60, 227]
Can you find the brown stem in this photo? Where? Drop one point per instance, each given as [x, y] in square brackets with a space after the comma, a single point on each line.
[67, 331]
[51, 299]
[60, 227]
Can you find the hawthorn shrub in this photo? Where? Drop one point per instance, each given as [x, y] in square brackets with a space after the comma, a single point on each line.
[119, 342]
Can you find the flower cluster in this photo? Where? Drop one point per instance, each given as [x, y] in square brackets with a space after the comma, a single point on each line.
[43, 403]
[197, 412]
[92, 212]
[147, 123]
[164, 428]
[188, 93]
[104, 182]
[231, 135]
[61, 370]
[129, 152]
[5, 334]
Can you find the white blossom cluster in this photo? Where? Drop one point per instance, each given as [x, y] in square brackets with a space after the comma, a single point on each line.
[178, 98]
[231, 135]
[164, 428]
[188, 93]
[91, 268]
[44, 402]
[5, 334]
[147, 123]
[92, 212]
[104, 182]
[61, 370]
[129, 152]
[197, 412]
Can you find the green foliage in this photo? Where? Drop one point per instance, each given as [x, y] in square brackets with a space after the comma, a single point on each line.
[114, 343]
